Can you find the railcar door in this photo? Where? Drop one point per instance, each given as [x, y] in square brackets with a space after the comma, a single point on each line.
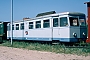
[26, 32]
[22, 30]
[18, 31]
[8, 31]
[55, 29]
[63, 29]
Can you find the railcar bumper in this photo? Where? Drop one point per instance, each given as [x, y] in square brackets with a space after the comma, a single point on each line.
[78, 39]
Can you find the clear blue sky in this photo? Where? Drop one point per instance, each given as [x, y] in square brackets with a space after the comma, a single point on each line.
[30, 8]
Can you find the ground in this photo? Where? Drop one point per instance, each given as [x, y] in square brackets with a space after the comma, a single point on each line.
[9, 53]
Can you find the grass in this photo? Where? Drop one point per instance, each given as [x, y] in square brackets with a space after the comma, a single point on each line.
[48, 47]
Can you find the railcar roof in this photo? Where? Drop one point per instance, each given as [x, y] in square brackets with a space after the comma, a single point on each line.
[58, 14]
[52, 15]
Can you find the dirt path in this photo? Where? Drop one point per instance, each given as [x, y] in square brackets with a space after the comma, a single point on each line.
[9, 53]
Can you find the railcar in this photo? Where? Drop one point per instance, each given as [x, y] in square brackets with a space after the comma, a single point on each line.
[62, 27]
[3, 31]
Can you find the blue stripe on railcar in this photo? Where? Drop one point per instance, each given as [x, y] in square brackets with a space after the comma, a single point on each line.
[47, 39]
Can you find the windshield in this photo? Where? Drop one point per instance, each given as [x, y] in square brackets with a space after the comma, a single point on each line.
[73, 21]
[77, 21]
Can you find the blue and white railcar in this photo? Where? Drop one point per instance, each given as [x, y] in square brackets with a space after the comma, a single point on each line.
[63, 27]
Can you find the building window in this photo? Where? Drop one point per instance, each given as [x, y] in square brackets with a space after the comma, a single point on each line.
[63, 21]
[30, 25]
[55, 22]
[38, 24]
[17, 26]
[46, 23]
[22, 26]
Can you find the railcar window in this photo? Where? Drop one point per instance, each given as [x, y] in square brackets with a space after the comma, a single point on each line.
[73, 21]
[63, 21]
[12, 27]
[46, 23]
[22, 26]
[38, 24]
[30, 25]
[17, 26]
[8, 27]
[55, 22]
[1, 28]
[82, 21]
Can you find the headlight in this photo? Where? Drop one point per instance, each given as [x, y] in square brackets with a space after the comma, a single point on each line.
[83, 34]
[74, 34]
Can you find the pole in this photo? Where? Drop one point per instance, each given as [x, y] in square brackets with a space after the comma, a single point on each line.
[88, 11]
[11, 20]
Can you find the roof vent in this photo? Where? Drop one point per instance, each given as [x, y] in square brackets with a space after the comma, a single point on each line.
[27, 18]
[45, 13]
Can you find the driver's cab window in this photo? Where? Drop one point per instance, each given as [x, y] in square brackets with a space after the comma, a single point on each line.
[73, 21]
[82, 21]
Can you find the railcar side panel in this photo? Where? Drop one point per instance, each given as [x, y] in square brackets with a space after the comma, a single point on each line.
[39, 34]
